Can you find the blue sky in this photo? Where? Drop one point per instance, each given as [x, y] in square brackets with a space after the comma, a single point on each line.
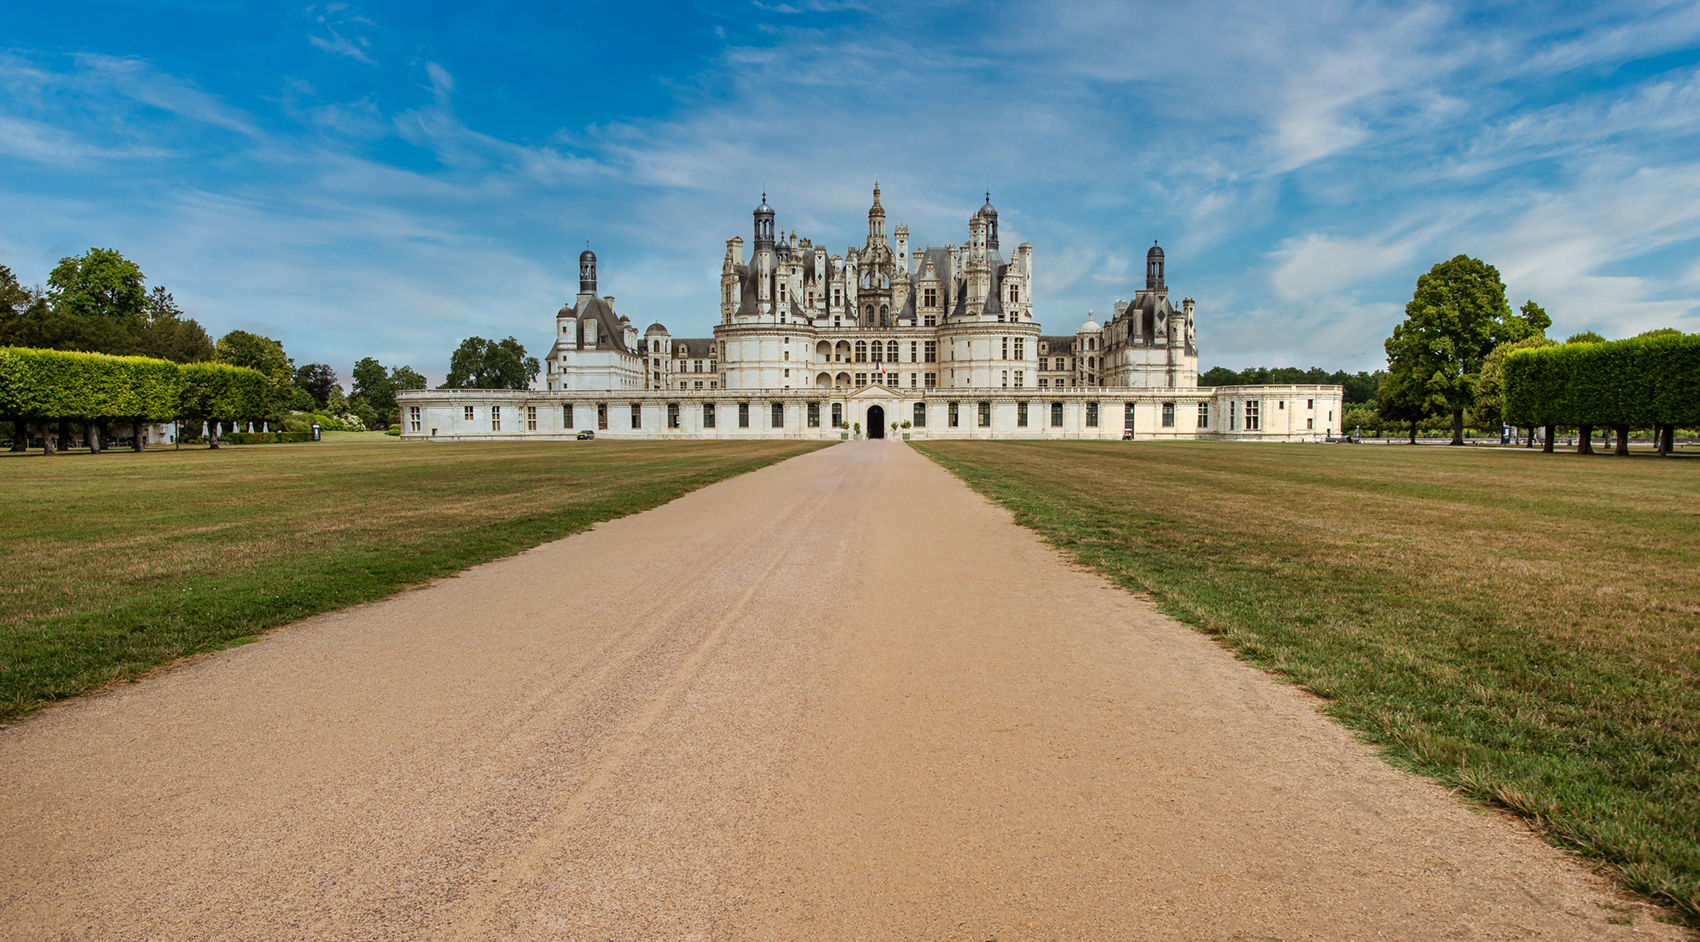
[386, 179]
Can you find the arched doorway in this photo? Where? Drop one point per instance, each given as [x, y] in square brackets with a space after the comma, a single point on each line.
[876, 422]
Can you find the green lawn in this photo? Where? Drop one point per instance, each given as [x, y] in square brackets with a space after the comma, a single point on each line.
[117, 563]
[1523, 627]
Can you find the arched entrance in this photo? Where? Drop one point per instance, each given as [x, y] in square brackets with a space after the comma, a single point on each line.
[876, 422]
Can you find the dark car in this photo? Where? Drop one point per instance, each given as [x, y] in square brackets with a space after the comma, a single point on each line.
[586, 435]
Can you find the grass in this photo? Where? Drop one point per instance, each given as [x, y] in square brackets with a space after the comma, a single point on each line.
[1523, 627]
[116, 564]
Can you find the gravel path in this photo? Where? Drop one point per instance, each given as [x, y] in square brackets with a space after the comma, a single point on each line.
[837, 698]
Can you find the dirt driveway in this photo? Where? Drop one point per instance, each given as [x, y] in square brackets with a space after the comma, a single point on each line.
[837, 698]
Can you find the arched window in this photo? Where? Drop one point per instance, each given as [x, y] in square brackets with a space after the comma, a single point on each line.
[861, 351]
[891, 351]
[879, 351]
[885, 315]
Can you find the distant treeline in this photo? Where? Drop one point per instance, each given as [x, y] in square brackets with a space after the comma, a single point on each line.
[1360, 386]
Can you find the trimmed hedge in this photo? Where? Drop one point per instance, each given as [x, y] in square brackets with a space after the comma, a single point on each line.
[267, 438]
[1643, 382]
[218, 391]
[54, 384]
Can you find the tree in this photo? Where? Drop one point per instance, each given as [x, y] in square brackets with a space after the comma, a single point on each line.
[318, 379]
[241, 348]
[1455, 318]
[165, 333]
[1586, 336]
[100, 283]
[489, 364]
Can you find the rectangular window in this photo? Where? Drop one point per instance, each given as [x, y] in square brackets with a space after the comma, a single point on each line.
[531, 418]
[954, 417]
[861, 379]
[1233, 419]
[1020, 348]
[1168, 415]
[1253, 421]
[931, 350]
[469, 413]
[637, 415]
[1310, 423]
[672, 415]
[1310, 403]
[1091, 415]
[1014, 293]
[914, 380]
[1044, 363]
[1006, 379]
[814, 415]
[914, 352]
[778, 417]
[1056, 415]
[985, 415]
[1005, 355]
[930, 297]
[696, 384]
[1043, 382]
[684, 384]
[930, 380]
[1281, 405]
[1021, 415]
[929, 321]
[1019, 378]
[838, 415]
[743, 415]
[708, 415]
[920, 415]
[602, 417]
[713, 384]
[1204, 415]
[567, 417]
[495, 418]
[414, 424]
[1127, 416]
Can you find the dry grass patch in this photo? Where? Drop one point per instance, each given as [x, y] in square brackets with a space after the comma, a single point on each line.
[117, 563]
[1521, 626]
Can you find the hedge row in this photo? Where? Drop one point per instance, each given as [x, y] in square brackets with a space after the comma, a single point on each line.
[55, 384]
[267, 438]
[1645, 382]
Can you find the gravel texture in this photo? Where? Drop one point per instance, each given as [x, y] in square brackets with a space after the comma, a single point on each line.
[837, 698]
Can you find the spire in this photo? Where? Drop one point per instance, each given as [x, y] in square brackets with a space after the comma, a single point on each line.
[876, 218]
[764, 224]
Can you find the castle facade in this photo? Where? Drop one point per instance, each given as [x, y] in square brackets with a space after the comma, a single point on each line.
[938, 341]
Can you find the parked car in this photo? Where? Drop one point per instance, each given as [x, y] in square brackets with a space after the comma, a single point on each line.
[586, 435]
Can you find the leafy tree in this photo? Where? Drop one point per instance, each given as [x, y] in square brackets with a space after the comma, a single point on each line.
[318, 379]
[241, 348]
[100, 283]
[1397, 402]
[1659, 332]
[489, 364]
[1586, 336]
[1455, 318]
[1359, 387]
[165, 333]
[405, 377]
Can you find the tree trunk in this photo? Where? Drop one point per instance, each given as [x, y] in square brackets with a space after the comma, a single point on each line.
[1667, 440]
[21, 438]
[136, 436]
[212, 434]
[1585, 440]
[1413, 432]
[64, 435]
[1622, 439]
[1546, 446]
[1531, 442]
[1457, 426]
[93, 437]
[47, 440]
